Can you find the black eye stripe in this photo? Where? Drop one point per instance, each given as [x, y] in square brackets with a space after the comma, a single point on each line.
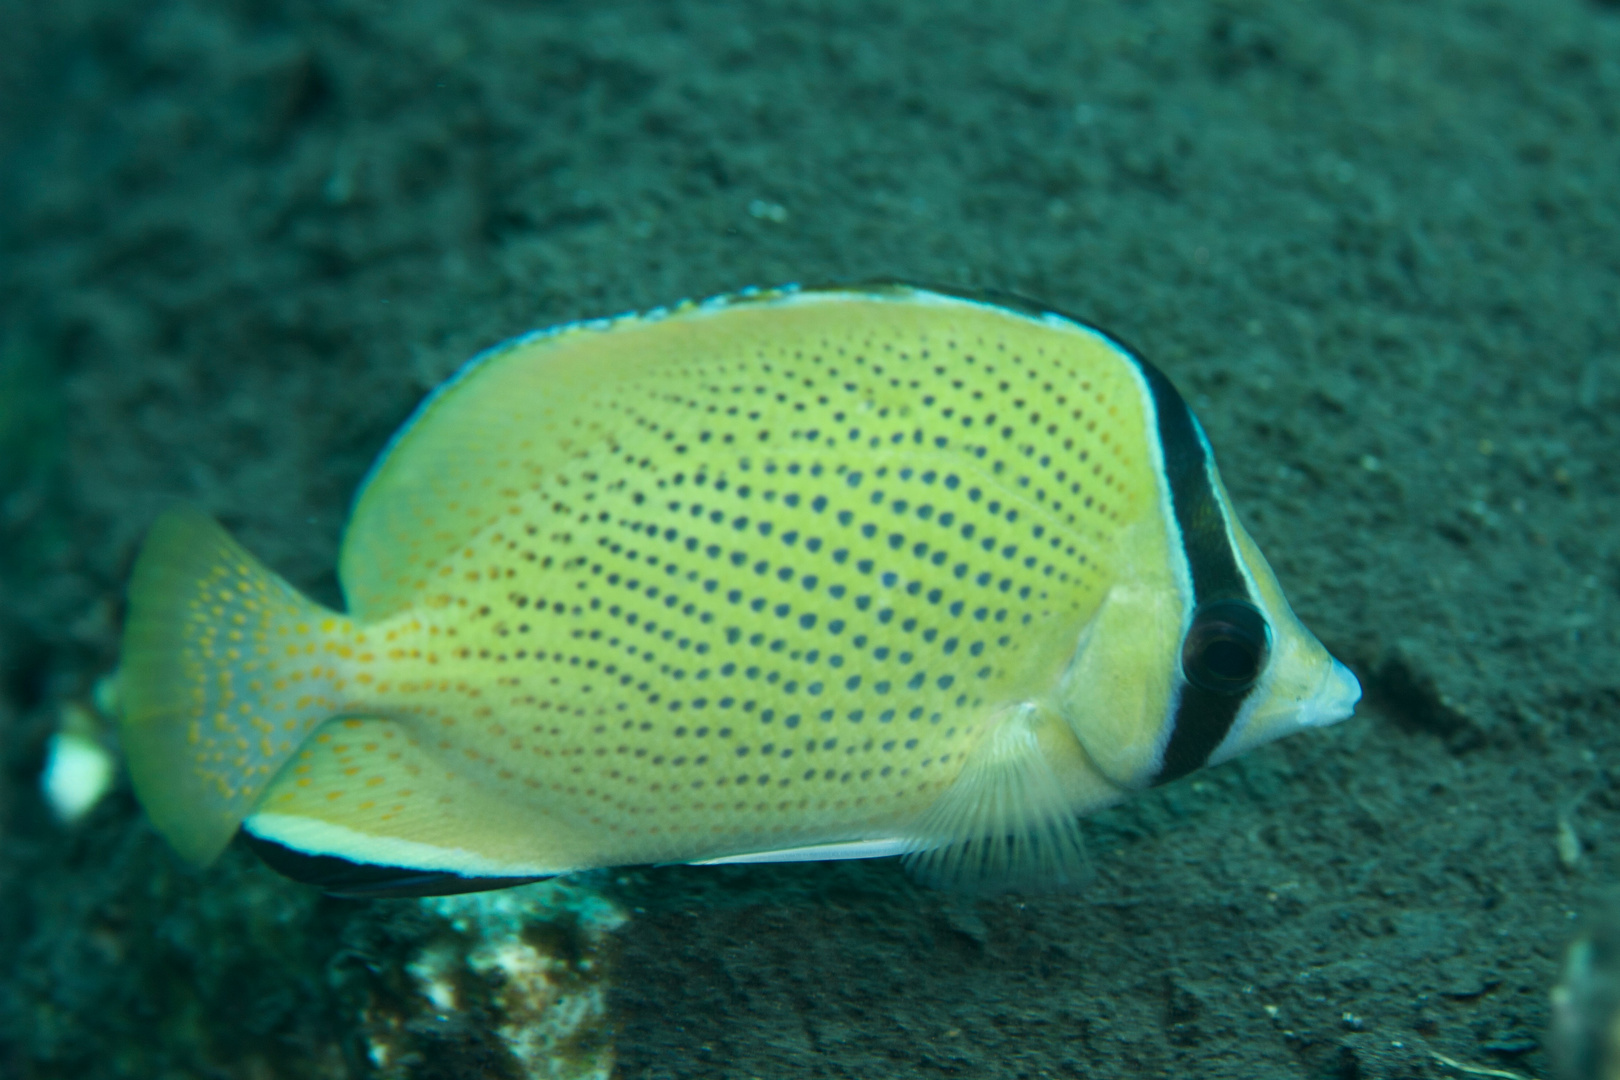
[1200, 518]
[1202, 721]
[1202, 716]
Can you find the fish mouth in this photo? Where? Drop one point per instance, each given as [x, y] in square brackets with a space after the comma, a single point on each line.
[1335, 698]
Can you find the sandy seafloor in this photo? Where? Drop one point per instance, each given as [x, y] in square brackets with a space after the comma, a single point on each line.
[1376, 244]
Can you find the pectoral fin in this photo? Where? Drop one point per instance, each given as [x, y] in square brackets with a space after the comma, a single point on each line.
[1007, 822]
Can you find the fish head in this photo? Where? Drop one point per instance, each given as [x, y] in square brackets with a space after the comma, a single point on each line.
[1159, 686]
[1298, 684]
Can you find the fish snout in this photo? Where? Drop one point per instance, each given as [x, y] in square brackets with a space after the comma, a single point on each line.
[1335, 698]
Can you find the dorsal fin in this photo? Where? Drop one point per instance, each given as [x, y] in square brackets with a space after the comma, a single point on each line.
[1005, 823]
[510, 421]
[525, 419]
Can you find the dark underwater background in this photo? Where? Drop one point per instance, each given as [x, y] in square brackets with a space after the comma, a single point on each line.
[1377, 245]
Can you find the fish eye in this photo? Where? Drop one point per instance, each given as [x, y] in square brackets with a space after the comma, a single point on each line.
[1226, 649]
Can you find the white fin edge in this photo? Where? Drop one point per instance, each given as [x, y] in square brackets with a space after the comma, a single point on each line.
[307, 836]
[1005, 823]
[853, 849]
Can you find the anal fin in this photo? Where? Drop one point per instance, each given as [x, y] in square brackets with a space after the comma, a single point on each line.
[853, 849]
[1006, 822]
[362, 881]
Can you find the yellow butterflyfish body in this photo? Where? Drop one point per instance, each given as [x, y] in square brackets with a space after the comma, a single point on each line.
[792, 574]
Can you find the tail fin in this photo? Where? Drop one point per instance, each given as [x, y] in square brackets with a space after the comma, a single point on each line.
[226, 670]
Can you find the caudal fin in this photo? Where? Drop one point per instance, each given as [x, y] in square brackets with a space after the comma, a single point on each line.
[226, 669]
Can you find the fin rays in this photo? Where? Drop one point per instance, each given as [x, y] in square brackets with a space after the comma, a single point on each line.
[222, 678]
[1005, 823]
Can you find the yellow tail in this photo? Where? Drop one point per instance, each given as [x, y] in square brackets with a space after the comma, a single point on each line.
[226, 670]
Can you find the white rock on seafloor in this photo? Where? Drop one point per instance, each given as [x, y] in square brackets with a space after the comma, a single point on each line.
[78, 772]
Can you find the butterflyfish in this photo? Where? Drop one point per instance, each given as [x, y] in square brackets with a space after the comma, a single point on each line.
[793, 574]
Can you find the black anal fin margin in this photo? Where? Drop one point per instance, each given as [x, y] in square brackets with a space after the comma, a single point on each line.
[363, 881]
